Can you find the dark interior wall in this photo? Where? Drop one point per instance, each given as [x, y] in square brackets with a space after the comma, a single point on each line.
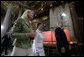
[77, 17]
[79, 10]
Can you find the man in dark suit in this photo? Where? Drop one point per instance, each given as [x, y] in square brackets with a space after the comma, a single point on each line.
[61, 40]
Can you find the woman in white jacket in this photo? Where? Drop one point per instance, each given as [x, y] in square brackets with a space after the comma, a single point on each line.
[38, 49]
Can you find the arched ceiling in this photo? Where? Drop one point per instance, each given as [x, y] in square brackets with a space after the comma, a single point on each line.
[40, 6]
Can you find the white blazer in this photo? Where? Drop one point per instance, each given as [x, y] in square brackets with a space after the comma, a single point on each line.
[38, 41]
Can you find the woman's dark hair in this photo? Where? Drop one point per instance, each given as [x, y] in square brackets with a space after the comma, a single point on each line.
[38, 24]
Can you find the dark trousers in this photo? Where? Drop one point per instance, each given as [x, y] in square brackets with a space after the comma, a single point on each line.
[4, 48]
[58, 48]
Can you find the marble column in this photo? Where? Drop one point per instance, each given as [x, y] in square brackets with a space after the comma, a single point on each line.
[6, 20]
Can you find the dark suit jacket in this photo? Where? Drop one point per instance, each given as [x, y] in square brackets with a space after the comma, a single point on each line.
[61, 40]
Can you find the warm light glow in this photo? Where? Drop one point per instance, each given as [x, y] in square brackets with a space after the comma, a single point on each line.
[63, 14]
[41, 8]
[1, 27]
[71, 42]
[44, 18]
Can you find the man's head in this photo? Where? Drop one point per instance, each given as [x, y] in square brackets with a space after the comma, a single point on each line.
[60, 23]
[28, 14]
